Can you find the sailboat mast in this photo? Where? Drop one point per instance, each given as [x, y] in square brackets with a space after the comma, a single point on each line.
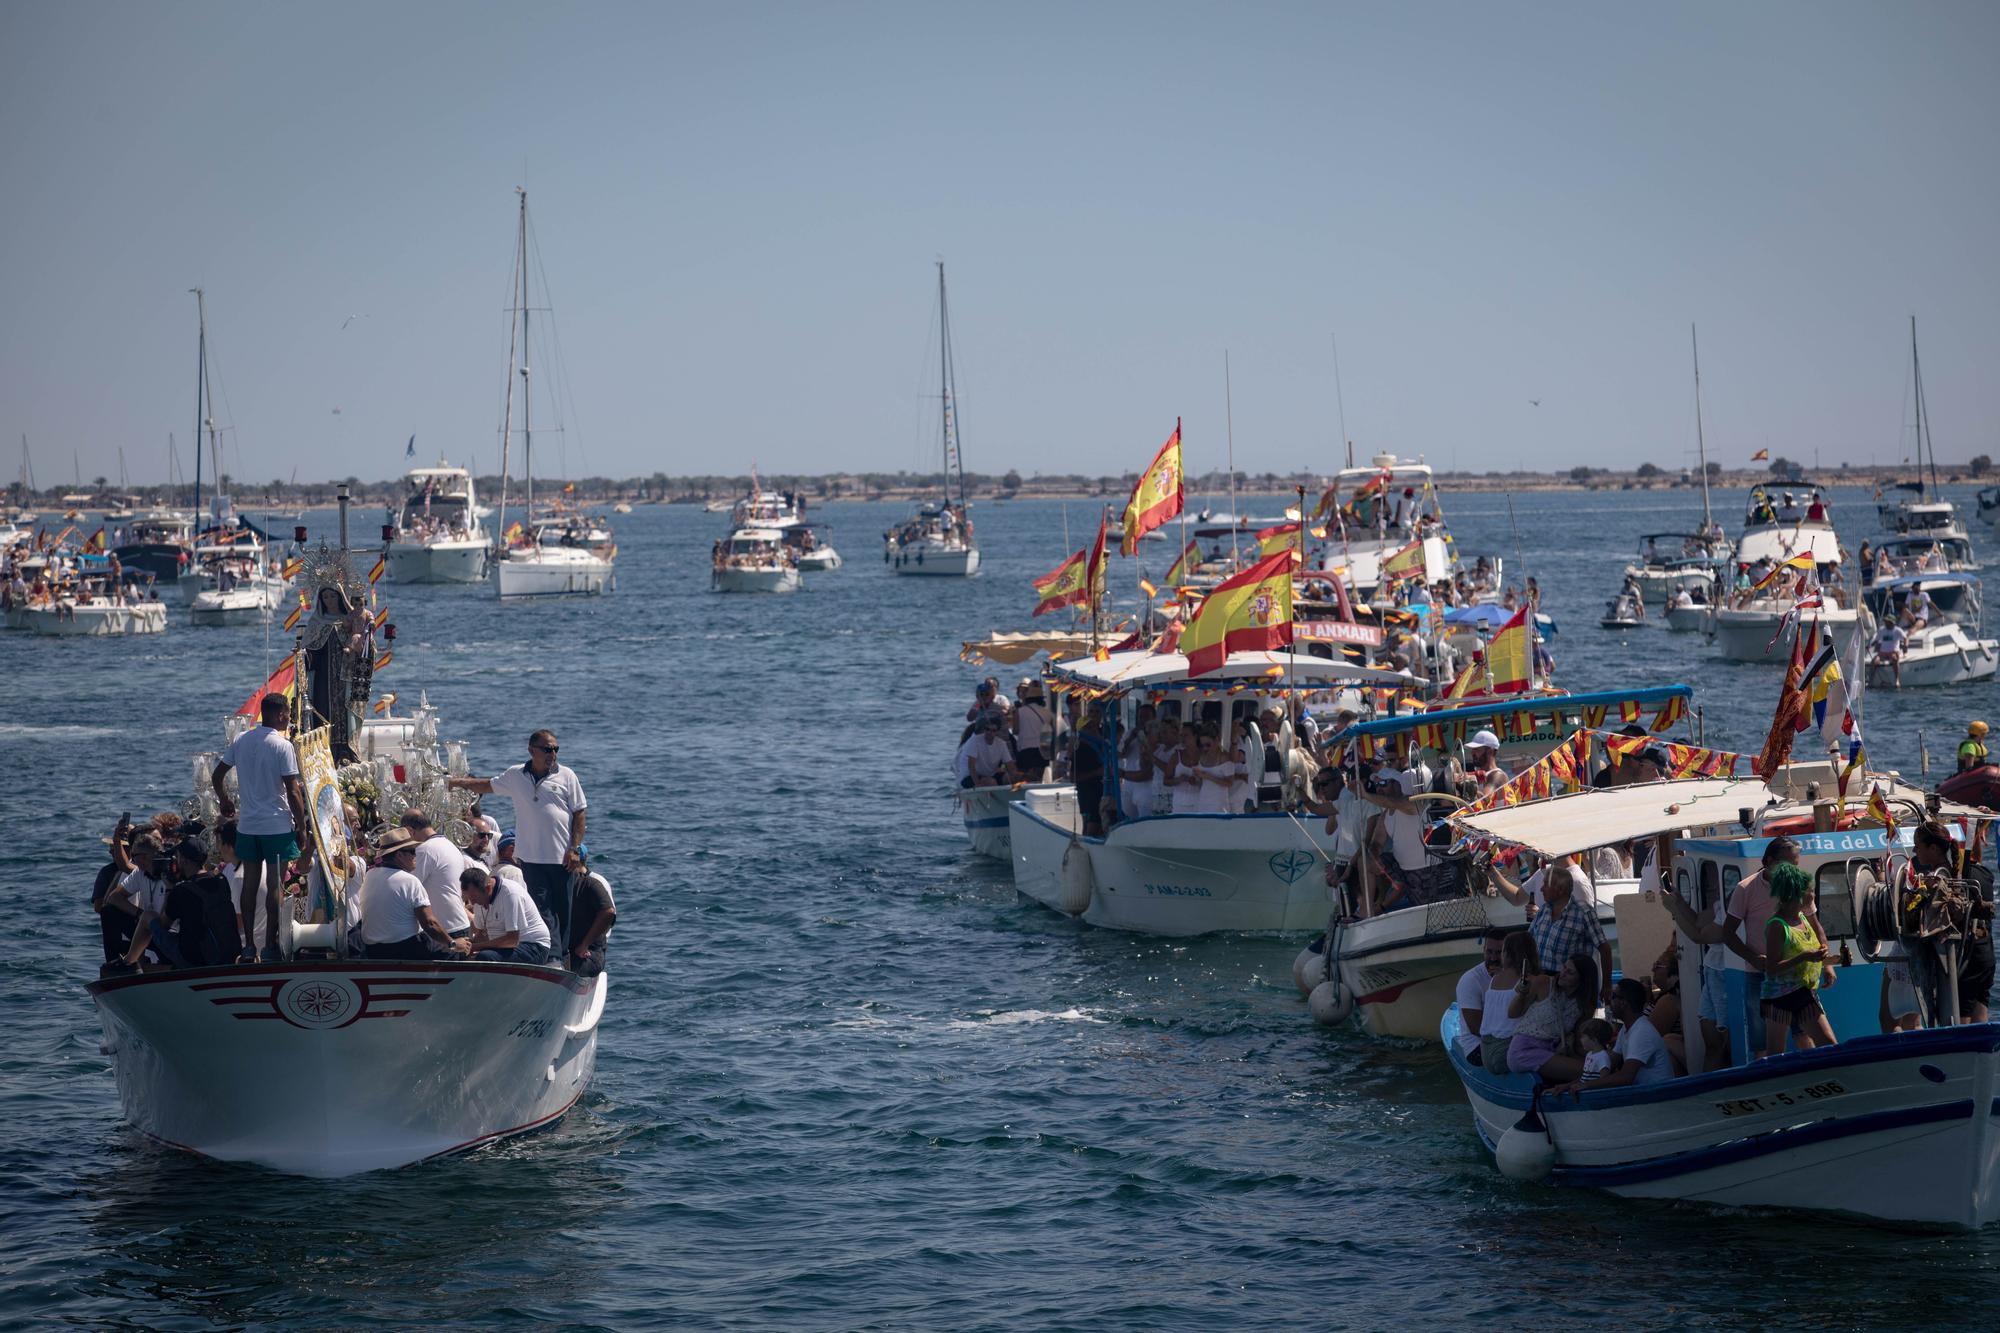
[944, 385]
[527, 412]
[200, 397]
[1700, 442]
[507, 399]
[1923, 415]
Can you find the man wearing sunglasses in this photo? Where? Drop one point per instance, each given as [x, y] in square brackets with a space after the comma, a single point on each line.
[549, 818]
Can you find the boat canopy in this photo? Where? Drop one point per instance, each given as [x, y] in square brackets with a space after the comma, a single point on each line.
[1564, 825]
[1139, 669]
[1911, 582]
[1013, 647]
[1653, 696]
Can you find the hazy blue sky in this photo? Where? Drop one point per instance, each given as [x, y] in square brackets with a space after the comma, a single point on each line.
[738, 207]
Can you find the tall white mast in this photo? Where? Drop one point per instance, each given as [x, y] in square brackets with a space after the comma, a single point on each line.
[1700, 443]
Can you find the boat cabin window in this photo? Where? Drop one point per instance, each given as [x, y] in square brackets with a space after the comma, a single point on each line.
[1836, 901]
[1708, 885]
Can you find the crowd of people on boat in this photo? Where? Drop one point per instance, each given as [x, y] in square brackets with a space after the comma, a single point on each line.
[423, 528]
[1531, 1005]
[61, 580]
[948, 523]
[175, 893]
[1788, 508]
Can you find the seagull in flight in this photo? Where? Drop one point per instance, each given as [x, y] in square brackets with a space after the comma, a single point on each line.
[1534, 402]
[349, 320]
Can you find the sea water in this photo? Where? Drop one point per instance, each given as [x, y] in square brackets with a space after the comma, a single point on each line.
[846, 1077]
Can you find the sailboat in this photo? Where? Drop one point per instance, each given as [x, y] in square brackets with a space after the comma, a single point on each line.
[1929, 514]
[545, 558]
[1670, 563]
[937, 540]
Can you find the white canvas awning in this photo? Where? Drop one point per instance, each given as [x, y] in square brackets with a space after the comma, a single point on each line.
[1604, 815]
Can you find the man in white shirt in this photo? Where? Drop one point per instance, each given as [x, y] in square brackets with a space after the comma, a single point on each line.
[511, 929]
[1471, 994]
[395, 911]
[1404, 827]
[549, 821]
[273, 819]
[984, 760]
[1644, 1058]
[439, 865]
[1034, 732]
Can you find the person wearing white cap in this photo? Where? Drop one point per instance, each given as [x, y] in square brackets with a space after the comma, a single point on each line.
[1482, 763]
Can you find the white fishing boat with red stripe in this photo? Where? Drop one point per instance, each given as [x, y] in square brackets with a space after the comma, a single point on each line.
[336, 1067]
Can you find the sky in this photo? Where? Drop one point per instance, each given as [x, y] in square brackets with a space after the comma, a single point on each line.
[738, 207]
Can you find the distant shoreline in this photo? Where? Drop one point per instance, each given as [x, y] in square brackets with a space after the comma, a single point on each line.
[840, 488]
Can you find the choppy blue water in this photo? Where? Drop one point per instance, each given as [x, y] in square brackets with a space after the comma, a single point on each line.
[847, 1079]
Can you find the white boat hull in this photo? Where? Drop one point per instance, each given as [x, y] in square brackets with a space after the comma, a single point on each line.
[1895, 1128]
[1687, 619]
[1657, 586]
[757, 580]
[132, 618]
[1940, 657]
[824, 558]
[242, 607]
[1172, 875]
[1746, 635]
[986, 819]
[557, 571]
[935, 560]
[440, 562]
[335, 1068]
[1402, 968]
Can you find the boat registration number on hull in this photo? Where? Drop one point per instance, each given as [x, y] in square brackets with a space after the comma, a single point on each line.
[1772, 1101]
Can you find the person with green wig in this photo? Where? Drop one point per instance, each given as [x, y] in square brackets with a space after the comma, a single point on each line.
[1794, 958]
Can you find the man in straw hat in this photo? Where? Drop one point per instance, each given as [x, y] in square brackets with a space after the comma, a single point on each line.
[396, 917]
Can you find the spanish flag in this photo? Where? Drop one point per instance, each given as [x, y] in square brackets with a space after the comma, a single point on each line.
[1803, 560]
[298, 612]
[283, 681]
[95, 546]
[512, 535]
[383, 661]
[1158, 495]
[1074, 582]
[381, 563]
[1761, 456]
[1461, 685]
[1510, 656]
[1184, 567]
[1407, 563]
[1245, 613]
[1281, 537]
[1878, 806]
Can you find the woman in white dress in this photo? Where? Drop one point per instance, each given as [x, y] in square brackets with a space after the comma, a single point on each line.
[1216, 773]
[1186, 779]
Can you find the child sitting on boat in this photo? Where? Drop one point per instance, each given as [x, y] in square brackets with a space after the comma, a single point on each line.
[1598, 1037]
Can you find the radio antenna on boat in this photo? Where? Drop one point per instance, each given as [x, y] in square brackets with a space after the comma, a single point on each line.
[1340, 401]
[1229, 428]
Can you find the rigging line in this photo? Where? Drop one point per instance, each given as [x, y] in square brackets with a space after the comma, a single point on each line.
[556, 386]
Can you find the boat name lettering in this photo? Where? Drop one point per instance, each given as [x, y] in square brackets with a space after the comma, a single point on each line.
[530, 1027]
[1811, 1092]
[1177, 891]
